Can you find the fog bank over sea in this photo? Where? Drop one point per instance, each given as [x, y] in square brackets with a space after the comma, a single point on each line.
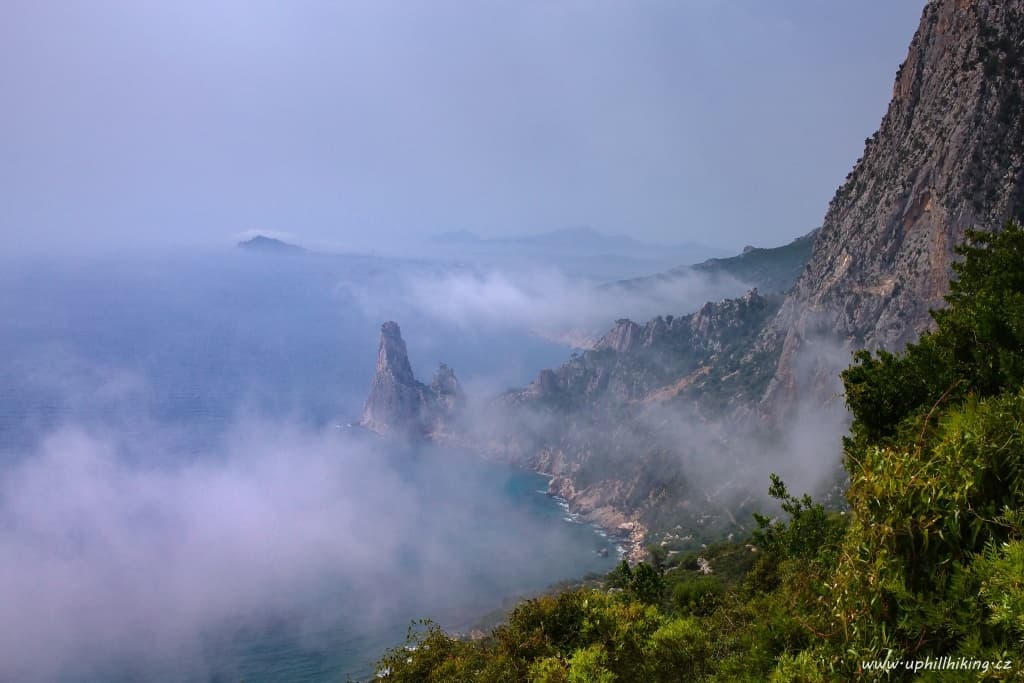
[179, 501]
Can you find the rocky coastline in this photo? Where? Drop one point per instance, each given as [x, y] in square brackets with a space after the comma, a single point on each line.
[630, 534]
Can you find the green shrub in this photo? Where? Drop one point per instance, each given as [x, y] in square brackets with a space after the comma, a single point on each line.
[698, 595]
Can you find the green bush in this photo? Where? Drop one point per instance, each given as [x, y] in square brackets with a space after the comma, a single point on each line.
[698, 595]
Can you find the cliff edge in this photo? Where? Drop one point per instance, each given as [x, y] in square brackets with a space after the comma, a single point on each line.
[948, 155]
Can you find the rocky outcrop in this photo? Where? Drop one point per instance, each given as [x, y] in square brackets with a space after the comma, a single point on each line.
[634, 362]
[398, 403]
[594, 504]
[949, 155]
[622, 338]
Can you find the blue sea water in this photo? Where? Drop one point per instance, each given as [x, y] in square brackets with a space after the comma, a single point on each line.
[169, 358]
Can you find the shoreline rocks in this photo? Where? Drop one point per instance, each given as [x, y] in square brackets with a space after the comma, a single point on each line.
[630, 533]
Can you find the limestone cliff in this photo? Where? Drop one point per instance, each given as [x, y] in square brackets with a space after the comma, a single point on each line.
[398, 403]
[949, 155]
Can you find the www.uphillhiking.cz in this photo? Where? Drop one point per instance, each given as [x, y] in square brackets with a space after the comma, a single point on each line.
[937, 664]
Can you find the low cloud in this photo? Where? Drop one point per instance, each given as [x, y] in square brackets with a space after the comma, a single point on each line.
[115, 557]
[103, 557]
[555, 306]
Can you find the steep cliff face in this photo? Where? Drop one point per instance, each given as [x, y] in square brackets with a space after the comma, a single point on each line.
[398, 403]
[949, 155]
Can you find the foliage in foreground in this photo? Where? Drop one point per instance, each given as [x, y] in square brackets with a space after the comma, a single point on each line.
[927, 563]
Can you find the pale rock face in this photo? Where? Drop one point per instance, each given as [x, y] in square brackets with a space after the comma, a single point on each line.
[948, 156]
[392, 355]
[622, 338]
[399, 404]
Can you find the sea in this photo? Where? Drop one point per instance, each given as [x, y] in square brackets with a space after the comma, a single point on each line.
[182, 497]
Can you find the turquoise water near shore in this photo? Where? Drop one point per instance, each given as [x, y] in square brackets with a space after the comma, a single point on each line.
[159, 362]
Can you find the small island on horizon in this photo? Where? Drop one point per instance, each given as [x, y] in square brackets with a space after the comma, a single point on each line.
[262, 243]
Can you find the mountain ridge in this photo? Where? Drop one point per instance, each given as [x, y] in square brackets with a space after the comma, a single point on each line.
[571, 237]
[768, 269]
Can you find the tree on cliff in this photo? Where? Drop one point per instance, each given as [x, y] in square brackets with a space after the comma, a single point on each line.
[976, 349]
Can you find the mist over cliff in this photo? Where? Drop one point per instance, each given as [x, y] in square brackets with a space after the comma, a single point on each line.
[660, 422]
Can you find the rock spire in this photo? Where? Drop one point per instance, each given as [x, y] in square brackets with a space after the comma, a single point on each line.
[398, 403]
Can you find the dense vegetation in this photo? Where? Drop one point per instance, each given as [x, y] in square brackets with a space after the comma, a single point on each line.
[926, 562]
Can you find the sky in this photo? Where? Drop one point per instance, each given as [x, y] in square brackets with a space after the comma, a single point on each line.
[360, 125]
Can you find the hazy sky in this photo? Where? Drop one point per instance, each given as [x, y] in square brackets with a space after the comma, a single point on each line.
[357, 123]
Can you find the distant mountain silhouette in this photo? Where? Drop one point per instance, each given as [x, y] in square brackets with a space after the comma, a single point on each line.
[581, 238]
[265, 244]
[771, 270]
[575, 250]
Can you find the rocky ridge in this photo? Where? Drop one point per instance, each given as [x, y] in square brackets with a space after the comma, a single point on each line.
[634, 362]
